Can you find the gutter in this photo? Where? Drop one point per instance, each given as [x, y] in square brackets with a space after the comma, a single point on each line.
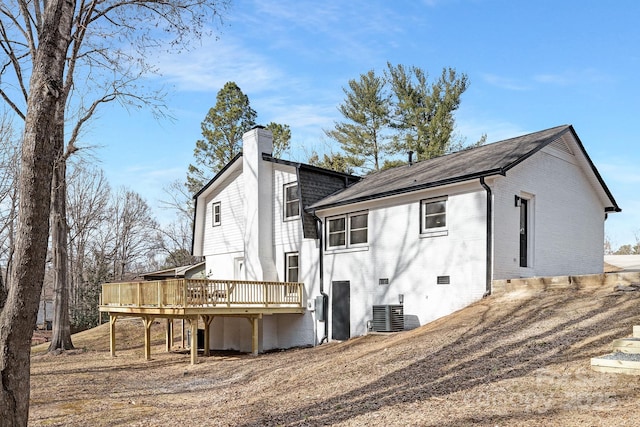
[489, 272]
[325, 297]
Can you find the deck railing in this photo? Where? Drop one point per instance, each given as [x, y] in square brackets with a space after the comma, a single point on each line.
[185, 293]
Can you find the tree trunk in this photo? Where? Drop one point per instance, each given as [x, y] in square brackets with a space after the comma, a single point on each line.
[61, 336]
[19, 314]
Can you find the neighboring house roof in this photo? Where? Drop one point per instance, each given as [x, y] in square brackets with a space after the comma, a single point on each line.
[487, 160]
[175, 272]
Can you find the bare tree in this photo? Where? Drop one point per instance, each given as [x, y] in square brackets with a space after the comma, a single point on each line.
[49, 49]
[9, 151]
[132, 230]
[88, 198]
[176, 237]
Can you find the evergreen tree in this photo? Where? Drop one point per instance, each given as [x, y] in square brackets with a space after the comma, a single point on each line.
[222, 130]
[363, 136]
[281, 138]
[397, 113]
[422, 113]
[334, 161]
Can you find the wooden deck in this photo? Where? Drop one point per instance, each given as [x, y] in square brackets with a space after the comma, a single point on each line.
[192, 299]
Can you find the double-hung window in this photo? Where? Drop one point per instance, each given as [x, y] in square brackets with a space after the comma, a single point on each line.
[348, 230]
[215, 214]
[433, 215]
[291, 201]
[291, 270]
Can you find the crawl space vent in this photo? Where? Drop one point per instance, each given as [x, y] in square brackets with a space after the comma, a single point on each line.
[388, 318]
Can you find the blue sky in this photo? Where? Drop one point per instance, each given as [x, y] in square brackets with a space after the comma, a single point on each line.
[532, 65]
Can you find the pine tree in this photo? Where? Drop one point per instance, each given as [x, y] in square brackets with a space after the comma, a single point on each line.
[222, 130]
[281, 138]
[363, 136]
[423, 112]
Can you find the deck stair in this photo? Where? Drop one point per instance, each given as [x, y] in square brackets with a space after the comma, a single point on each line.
[625, 358]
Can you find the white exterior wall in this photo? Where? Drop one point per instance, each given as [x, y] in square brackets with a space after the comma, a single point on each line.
[223, 243]
[252, 218]
[566, 218]
[287, 234]
[397, 251]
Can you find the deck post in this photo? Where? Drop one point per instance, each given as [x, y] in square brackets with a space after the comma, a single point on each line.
[194, 340]
[112, 334]
[254, 335]
[169, 334]
[148, 321]
[182, 332]
[207, 319]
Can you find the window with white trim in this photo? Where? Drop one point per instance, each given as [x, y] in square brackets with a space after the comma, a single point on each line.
[291, 201]
[348, 230]
[215, 214]
[433, 215]
[291, 270]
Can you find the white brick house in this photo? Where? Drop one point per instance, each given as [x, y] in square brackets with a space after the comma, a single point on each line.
[429, 236]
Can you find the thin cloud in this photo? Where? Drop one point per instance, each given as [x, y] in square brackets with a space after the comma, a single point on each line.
[505, 82]
[215, 63]
[572, 77]
[330, 29]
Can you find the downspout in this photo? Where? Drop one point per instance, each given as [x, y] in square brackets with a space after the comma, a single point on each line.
[325, 297]
[489, 266]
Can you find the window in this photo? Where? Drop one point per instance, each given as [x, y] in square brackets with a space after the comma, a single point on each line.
[215, 214]
[433, 215]
[291, 270]
[291, 201]
[348, 230]
[358, 228]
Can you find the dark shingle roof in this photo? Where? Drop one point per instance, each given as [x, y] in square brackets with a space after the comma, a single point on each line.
[486, 160]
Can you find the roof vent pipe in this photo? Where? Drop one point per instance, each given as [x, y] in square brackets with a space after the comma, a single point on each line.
[410, 158]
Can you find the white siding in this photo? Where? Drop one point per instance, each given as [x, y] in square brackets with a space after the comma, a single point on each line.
[224, 244]
[568, 218]
[228, 236]
[287, 233]
[398, 252]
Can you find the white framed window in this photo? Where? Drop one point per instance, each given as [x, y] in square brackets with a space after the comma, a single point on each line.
[291, 270]
[358, 228]
[348, 230]
[337, 232]
[215, 214]
[291, 201]
[433, 215]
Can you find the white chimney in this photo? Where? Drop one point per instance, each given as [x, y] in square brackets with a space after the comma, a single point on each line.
[257, 175]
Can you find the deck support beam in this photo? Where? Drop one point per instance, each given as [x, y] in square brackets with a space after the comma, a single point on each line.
[169, 334]
[207, 319]
[148, 321]
[112, 334]
[194, 340]
[255, 334]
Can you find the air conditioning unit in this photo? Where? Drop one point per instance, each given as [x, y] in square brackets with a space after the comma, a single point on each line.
[388, 318]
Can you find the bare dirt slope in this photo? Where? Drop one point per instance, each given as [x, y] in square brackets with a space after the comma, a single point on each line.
[521, 359]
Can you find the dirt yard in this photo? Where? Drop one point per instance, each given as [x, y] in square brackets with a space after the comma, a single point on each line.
[521, 359]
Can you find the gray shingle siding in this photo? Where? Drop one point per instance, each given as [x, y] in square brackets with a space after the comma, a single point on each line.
[314, 186]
